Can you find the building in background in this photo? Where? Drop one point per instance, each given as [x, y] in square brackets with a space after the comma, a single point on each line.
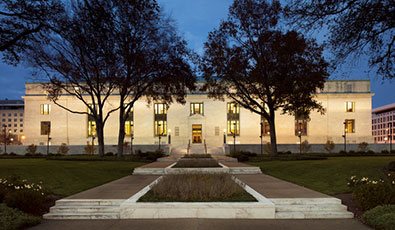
[202, 120]
[12, 120]
[383, 124]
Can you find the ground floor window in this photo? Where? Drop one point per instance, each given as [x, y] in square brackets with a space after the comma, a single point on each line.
[91, 128]
[45, 127]
[349, 126]
[160, 128]
[233, 127]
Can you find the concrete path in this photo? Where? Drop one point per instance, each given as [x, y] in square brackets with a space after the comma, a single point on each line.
[203, 224]
[119, 189]
[272, 187]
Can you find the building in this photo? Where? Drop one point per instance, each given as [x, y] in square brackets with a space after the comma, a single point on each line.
[383, 124]
[11, 119]
[204, 120]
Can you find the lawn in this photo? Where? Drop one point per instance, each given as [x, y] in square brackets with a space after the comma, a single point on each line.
[327, 176]
[65, 178]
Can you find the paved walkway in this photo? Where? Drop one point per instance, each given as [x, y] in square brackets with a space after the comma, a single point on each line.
[272, 187]
[119, 189]
[203, 224]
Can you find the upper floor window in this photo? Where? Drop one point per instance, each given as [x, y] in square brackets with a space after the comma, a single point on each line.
[160, 108]
[349, 126]
[197, 108]
[350, 106]
[233, 108]
[45, 109]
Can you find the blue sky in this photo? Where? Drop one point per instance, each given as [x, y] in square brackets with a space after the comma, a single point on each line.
[195, 19]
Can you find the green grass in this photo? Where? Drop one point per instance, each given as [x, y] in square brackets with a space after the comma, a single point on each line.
[65, 178]
[326, 176]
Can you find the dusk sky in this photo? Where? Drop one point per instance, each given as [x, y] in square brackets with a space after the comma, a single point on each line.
[195, 19]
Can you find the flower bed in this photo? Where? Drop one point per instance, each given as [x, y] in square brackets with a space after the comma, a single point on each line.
[197, 163]
[370, 193]
[197, 188]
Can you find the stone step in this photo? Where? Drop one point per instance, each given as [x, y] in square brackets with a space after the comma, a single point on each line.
[83, 209]
[314, 215]
[328, 215]
[305, 201]
[64, 216]
[89, 202]
[311, 207]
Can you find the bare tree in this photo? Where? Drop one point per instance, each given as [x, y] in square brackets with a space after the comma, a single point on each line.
[355, 27]
[79, 58]
[21, 21]
[249, 60]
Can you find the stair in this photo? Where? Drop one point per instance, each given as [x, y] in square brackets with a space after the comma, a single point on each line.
[84, 209]
[197, 149]
[310, 208]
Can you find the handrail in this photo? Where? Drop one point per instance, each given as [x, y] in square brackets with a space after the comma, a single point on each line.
[205, 147]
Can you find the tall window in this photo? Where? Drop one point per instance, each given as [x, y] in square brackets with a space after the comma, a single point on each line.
[350, 106]
[160, 119]
[233, 119]
[45, 109]
[197, 108]
[91, 126]
[266, 128]
[349, 126]
[233, 128]
[301, 126]
[45, 127]
[129, 124]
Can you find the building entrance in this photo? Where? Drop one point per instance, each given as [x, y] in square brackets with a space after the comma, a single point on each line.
[196, 134]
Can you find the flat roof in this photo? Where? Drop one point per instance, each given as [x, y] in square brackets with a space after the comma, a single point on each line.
[384, 108]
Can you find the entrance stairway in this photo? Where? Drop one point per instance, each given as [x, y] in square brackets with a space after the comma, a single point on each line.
[310, 208]
[85, 209]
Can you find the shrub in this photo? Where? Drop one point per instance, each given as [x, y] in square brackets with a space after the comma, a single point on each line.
[391, 166]
[89, 148]
[381, 217]
[196, 163]
[63, 149]
[243, 155]
[31, 149]
[370, 193]
[363, 146]
[27, 200]
[109, 154]
[306, 146]
[197, 156]
[268, 148]
[14, 219]
[385, 151]
[329, 146]
[150, 156]
[26, 196]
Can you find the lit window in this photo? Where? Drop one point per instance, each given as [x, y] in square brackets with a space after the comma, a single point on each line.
[197, 108]
[128, 128]
[301, 126]
[160, 128]
[233, 127]
[91, 128]
[266, 128]
[160, 108]
[45, 127]
[349, 126]
[350, 106]
[233, 108]
[45, 109]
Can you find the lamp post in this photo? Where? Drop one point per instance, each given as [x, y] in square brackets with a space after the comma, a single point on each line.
[345, 137]
[169, 136]
[300, 142]
[48, 140]
[5, 138]
[131, 139]
[261, 137]
[224, 136]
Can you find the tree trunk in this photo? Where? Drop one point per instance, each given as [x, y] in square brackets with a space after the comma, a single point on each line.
[100, 137]
[273, 138]
[121, 131]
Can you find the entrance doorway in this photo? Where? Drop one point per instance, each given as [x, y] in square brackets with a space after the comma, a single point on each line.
[196, 134]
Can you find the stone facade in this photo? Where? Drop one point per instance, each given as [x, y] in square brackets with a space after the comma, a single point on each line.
[11, 120]
[207, 123]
